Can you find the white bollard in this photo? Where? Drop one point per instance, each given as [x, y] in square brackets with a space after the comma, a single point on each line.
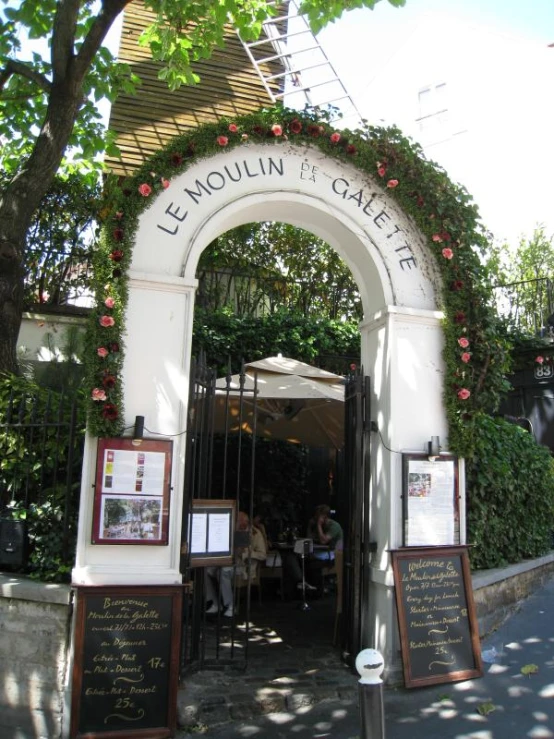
[370, 665]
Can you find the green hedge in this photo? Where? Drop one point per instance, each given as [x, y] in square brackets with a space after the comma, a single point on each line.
[510, 495]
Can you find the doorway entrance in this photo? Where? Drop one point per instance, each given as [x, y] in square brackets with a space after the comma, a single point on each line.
[226, 448]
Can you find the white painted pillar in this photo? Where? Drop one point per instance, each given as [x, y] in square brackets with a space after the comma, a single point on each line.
[402, 354]
[156, 383]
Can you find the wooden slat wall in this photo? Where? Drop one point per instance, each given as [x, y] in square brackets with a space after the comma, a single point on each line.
[229, 86]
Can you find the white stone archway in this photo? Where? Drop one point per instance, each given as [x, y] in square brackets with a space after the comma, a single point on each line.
[401, 332]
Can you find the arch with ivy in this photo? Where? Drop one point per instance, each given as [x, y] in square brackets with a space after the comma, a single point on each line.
[412, 240]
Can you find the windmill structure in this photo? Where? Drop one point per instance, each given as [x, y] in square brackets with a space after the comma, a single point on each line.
[286, 63]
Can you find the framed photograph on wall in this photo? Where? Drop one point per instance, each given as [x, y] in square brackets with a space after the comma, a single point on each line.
[430, 498]
[131, 495]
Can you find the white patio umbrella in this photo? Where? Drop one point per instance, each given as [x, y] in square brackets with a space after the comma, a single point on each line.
[294, 402]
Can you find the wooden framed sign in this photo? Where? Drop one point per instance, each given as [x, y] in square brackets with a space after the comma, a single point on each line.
[430, 500]
[211, 532]
[126, 665]
[131, 494]
[436, 615]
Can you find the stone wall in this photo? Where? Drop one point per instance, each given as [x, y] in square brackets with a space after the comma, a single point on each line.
[35, 620]
[497, 592]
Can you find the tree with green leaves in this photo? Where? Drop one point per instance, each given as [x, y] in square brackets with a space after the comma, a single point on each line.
[524, 279]
[260, 268]
[48, 98]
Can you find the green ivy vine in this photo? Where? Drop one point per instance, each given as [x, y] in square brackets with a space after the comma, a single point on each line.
[476, 352]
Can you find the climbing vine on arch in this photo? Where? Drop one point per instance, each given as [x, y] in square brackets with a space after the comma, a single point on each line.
[476, 354]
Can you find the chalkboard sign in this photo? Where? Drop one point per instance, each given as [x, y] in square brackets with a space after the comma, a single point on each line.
[126, 662]
[436, 615]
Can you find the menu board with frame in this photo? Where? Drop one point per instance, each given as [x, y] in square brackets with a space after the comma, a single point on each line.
[126, 666]
[436, 615]
[211, 532]
[430, 497]
[132, 491]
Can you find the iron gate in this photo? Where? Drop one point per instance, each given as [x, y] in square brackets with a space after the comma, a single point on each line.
[223, 466]
[355, 512]
[218, 466]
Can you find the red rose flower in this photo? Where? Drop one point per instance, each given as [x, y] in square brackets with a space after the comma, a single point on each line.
[460, 317]
[108, 381]
[176, 160]
[295, 126]
[116, 255]
[456, 285]
[118, 234]
[110, 412]
[350, 149]
[420, 201]
[114, 346]
[314, 130]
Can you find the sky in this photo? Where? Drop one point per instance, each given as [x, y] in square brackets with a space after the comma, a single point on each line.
[364, 42]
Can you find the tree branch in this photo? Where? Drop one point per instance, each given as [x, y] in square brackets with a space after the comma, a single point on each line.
[23, 70]
[97, 33]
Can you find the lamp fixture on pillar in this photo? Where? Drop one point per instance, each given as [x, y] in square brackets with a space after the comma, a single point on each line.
[138, 431]
[433, 448]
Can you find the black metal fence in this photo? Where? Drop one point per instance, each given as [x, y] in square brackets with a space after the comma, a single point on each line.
[41, 452]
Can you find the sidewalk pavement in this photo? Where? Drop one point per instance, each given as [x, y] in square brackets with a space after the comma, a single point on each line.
[506, 703]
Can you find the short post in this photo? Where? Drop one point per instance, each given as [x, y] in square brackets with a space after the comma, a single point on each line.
[370, 665]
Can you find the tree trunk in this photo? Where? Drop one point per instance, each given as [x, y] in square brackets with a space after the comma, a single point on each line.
[19, 201]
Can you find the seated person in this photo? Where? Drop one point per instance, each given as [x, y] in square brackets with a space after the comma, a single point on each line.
[322, 530]
[221, 578]
[273, 558]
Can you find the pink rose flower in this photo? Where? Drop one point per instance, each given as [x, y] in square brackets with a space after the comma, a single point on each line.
[447, 253]
[145, 190]
[106, 321]
[102, 351]
[233, 128]
[165, 183]
[335, 137]
[392, 184]
[98, 394]
[222, 140]
[381, 171]
[463, 342]
[277, 129]
[109, 302]
[437, 238]
[463, 394]
[466, 356]
[539, 359]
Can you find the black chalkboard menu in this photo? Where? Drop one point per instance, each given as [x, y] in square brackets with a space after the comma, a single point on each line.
[126, 662]
[436, 615]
